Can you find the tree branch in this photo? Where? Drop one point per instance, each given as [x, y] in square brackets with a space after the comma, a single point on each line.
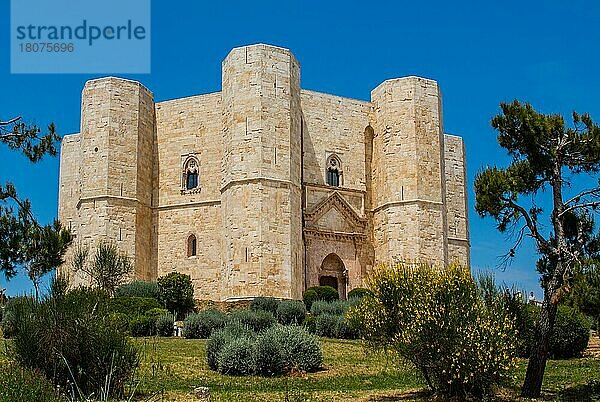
[544, 244]
[591, 204]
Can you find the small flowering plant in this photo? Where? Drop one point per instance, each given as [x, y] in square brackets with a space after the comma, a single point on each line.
[461, 342]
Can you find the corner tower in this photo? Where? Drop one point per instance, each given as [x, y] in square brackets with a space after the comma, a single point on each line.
[115, 169]
[261, 185]
[409, 216]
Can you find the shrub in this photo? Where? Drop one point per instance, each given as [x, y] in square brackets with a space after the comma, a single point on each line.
[142, 325]
[269, 304]
[300, 349]
[327, 325]
[220, 337]
[346, 329]
[358, 293]
[68, 338]
[310, 324]
[164, 325]
[176, 293]
[132, 306]
[154, 313]
[268, 355]
[138, 289]
[325, 293]
[571, 334]
[8, 322]
[201, 325]
[256, 320]
[236, 357]
[291, 312]
[24, 385]
[309, 297]
[569, 338]
[336, 307]
[437, 320]
[119, 321]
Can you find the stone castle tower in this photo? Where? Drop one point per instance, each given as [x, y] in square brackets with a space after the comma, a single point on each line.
[265, 188]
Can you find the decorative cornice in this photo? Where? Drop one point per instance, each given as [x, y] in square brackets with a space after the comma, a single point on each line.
[344, 236]
[335, 200]
[405, 202]
[258, 179]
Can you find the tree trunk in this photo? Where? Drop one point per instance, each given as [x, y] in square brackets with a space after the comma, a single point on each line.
[532, 387]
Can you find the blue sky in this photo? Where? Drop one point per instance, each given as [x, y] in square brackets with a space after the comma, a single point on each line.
[481, 53]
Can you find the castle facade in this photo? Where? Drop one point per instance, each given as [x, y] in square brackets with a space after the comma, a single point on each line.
[265, 188]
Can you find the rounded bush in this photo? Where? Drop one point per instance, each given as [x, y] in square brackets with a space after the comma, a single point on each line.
[176, 293]
[269, 304]
[236, 357]
[309, 297]
[138, 289]
[222, 336]
[142, 325]
[256, 320]
[268, 355]
[336, 307]
[326, 293]
[310, 324]
[300, 349]
[346, 329]
[132, 305]
[326, 325]
[154, 313]
[291, 312]
[571, 334]
[119, 321]
[358, 293]
[164, 325]
[201, 325]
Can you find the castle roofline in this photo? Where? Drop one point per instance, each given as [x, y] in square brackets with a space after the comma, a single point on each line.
[264, 45]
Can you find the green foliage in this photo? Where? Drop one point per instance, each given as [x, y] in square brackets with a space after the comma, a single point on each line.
[220, 338]
[119, 321]
[257, 320]
[142, 325]
[309, 297]
[358, 293]
[325, 293]
[269, 304]
[24, 385]
[138, 289]
[24, 243]
[301, 350]
[236, 350]
[336, 307]
[9, 319]
[291, 312]
[108, 268]
[68, 338]
[236, 357]
[165, 325]
[335, 326]
[436, 319]
[133, 306]
[155, 312]
[310, 324]
[201, 325]
[176, 293]
[571, 334]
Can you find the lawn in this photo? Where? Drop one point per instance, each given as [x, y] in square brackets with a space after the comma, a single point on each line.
[172, 367]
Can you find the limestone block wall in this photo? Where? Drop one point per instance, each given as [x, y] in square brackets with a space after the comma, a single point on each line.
[261, 189]
[334, 125]
[111, 170]
[408, 193]
[456, 200]
[189, 126]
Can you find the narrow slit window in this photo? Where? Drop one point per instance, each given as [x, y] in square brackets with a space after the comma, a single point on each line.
[191, 246]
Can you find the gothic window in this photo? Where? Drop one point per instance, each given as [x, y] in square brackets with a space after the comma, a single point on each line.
[334, 171]
[190, 176]
[191, 246]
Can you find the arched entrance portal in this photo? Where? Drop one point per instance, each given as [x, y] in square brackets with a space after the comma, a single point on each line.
[333, 273]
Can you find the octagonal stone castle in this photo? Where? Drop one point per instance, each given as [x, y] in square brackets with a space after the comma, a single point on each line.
[265, 189]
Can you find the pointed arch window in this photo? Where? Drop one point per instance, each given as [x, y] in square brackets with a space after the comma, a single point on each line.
[191, 246]
[334, 171]
[190, 180]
